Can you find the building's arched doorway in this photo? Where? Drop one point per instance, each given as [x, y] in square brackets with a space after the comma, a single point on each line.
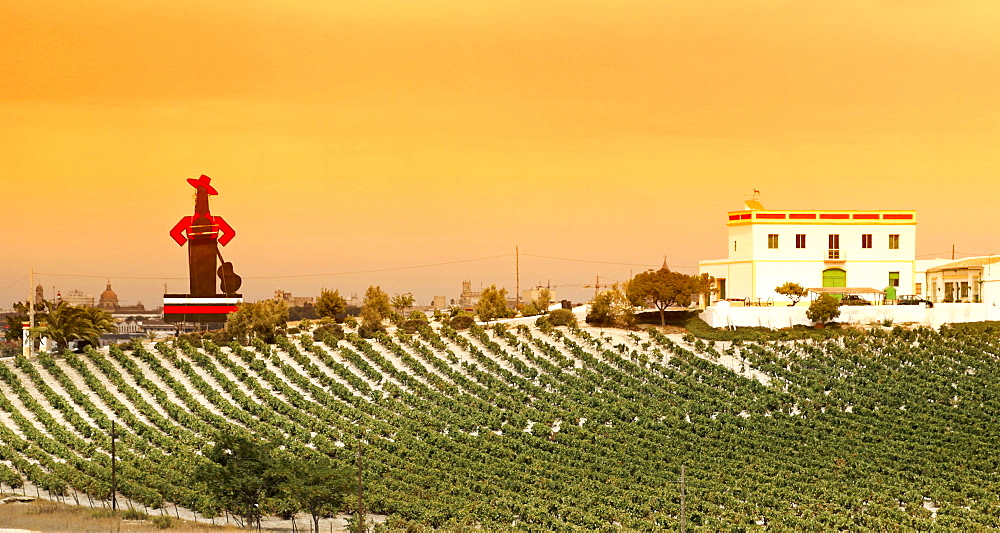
[834, 277]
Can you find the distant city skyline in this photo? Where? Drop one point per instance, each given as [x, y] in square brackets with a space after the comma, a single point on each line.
[371, 136]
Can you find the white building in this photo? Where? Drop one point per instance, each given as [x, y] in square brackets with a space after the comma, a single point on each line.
[972, 280]
[851, 249]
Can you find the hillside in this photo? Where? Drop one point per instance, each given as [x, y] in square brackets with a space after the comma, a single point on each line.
[528, 429]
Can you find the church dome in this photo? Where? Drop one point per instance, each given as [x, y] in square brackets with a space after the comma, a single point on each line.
[109, 298]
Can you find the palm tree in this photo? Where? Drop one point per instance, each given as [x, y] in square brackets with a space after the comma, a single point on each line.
[99, 323]
[67, 323]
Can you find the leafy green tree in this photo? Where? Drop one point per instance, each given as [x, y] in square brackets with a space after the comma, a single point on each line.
[665, 288]
[401, 302]
[241, 475]
[792, 290]
[264, 320]
[375, 308]
[611, 308]
[600, 312]
[492, 304]
[316, 486]
[823, 309]
[330, 304]
[20, 316]
[543, 301]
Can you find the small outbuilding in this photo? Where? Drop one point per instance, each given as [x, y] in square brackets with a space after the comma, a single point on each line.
[971, 280]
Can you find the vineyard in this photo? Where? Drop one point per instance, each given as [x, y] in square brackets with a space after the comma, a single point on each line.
[555, 429]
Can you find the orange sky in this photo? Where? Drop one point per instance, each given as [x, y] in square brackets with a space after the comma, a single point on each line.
[348, 136]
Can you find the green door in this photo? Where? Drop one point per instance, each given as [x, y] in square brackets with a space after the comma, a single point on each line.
[834, 277]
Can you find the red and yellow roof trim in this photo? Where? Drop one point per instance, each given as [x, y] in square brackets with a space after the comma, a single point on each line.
[738, 218]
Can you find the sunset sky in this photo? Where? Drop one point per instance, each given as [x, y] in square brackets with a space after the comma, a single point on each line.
[365, 136]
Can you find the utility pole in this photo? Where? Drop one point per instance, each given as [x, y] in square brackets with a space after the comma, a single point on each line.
[31, 312]
[952, 252]
[114, 472]
[517, 275]
[361, 501]
[682, 499]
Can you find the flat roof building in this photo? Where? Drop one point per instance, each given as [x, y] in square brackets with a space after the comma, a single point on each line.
[843, 248]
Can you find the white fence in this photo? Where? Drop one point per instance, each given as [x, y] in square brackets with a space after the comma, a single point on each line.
[783, 317]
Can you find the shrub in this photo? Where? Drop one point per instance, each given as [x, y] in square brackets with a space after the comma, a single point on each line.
[543, 323]
[163, 522]
[328, 331]
[823, 309]
[413, 325]
[562, 317]
[460, 322]
[351, 321]
[9, 348]
[133, 514]
[368, 330]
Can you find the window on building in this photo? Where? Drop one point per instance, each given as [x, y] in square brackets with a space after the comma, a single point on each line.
[965, 289]
[894, 242]
[772, 241]
[834, 242]
[918, 288]
[800, 240]
[866, 240]
[894, 279]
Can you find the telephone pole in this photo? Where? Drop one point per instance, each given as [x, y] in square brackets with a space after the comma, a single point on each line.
[361, 504]
[114, 472]
[682, 499]
[29, 348]
[517, 275]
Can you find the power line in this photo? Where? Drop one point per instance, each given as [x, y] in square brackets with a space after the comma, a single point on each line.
[370, 271]
[15, 283]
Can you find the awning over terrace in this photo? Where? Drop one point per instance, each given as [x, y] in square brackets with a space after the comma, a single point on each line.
[846, 290]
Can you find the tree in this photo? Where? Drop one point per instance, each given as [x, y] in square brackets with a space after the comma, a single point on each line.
[263, 320]
[316, 486]
[792, 290]
[823, 309]
[664, 288]
[241, 475]
[401, 302]
[330, 304]
[543, 301]
[14, 321]
[100, 322]
[611, 308]
[492, 304]
[66, 323]
[374, 310]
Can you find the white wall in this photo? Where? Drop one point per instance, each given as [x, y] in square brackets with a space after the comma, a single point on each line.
[783, 317]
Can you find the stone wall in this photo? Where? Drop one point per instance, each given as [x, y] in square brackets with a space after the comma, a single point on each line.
[783, 317]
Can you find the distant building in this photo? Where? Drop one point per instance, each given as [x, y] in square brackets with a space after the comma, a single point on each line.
[530, 295]
[109, 302]
[293, 301]
[39, 294]
[469, 297]
[860, 251]
[439, 302]
[76, 297]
